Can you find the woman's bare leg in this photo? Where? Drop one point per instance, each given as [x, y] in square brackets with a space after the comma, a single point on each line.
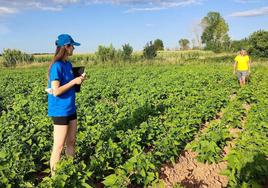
[71, 139]
[59, 136]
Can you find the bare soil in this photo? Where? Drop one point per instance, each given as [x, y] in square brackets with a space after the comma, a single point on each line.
[192, 174]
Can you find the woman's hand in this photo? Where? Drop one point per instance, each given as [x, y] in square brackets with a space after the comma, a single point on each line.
[78, 80]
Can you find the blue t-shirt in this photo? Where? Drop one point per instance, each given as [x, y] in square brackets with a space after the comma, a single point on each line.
[64, 104]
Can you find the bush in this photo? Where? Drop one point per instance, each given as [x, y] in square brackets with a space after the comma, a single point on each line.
[12, 57]
[127, 51]
[149, 51]
[158, 44]
[237, 45]
[259, 43]
[184, 44]
[105, 54]
[110, 54]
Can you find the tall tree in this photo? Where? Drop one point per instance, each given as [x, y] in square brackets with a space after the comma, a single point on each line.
[158, 44]
[127, 51]
[184, 44]
[149, 51]
[259, 43]
[215, 36]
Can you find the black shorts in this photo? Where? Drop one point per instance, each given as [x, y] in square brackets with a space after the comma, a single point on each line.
[64, 120]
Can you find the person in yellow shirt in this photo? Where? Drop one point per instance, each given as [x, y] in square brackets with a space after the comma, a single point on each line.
[242, 66]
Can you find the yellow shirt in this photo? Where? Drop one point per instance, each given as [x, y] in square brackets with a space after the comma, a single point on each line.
[242, 62]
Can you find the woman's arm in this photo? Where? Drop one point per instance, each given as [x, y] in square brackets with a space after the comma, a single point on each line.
[235, 67]
[58, 90]
[249, 65]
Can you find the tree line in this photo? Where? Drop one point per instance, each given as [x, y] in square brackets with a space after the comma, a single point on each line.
[214, 38]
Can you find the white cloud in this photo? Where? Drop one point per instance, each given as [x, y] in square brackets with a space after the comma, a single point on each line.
[7, 10]
[149, 25]
[40, 6]
[248, 1]
[10, 7]
[66, 1]
[250, 13]
[120, 2]
[148, 9]
[49, 5]
[161, 5]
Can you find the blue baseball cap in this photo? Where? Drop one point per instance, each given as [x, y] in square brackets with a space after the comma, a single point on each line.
[65, 39]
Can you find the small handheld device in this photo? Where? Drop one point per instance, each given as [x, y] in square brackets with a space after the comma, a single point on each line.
[49, 90]
[78, 71]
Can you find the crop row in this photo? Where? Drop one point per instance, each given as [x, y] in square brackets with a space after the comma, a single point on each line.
[131, 120]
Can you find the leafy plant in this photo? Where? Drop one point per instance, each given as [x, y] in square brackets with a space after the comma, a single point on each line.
[149, 51]
[132, 119]
[127, 51]
[12, 57]
[211, 143]
[158, 44]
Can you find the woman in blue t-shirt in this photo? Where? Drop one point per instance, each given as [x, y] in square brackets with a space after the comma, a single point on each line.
[61, 99]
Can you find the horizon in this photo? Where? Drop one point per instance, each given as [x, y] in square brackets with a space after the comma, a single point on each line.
[117, 22]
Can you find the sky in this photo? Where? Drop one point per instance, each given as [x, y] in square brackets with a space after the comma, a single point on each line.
[32, 26]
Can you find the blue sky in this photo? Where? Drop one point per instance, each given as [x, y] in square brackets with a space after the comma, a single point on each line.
[33, 25]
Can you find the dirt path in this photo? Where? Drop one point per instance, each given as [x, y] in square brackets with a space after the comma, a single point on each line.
[190, 173]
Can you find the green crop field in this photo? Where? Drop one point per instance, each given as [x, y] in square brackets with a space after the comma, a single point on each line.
[132, 119]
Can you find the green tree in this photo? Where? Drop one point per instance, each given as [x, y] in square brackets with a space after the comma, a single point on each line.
[149, 51]
[158, 44]
[259, 43]
[127, 51]
[237, 45]
[105, 54]
[184, 44]
[215, 36]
